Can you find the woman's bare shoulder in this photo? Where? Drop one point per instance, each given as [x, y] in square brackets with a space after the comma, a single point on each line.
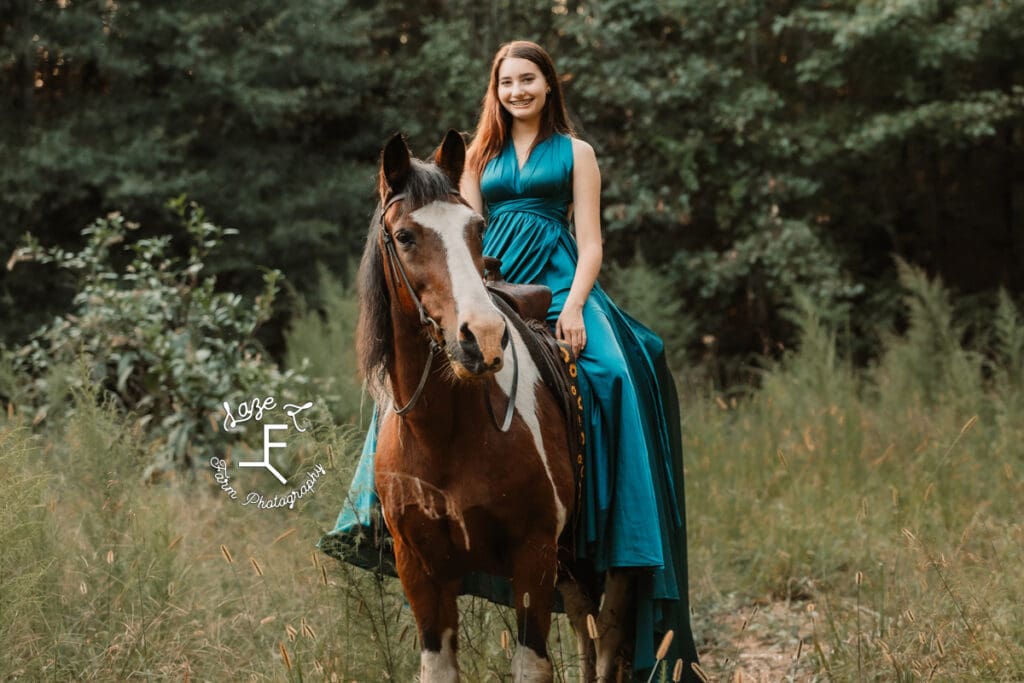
[579, 145]
[583, 152]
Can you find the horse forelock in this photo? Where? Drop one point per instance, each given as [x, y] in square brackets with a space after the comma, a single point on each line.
[425, 183]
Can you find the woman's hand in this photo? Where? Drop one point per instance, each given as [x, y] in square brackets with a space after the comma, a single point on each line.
[570, 328]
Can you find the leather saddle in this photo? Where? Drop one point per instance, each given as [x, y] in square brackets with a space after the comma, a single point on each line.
[531, 302]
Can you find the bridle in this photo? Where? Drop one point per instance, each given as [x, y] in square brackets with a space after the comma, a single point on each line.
[434, 332]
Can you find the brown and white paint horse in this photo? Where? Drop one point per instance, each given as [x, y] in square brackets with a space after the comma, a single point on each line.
[459, 494]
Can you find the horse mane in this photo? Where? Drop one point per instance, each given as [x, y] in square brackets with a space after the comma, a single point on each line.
[374, 333]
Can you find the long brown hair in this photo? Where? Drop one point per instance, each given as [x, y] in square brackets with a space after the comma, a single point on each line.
[495, 124]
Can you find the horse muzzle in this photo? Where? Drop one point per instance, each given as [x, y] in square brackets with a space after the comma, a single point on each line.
[479, 349]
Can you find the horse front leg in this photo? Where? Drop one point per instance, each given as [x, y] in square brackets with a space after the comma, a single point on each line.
[613, 625]
[578, 606]
[533, 579]
[436, 612]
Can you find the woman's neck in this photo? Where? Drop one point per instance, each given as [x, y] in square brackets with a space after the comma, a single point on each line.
[525, 132]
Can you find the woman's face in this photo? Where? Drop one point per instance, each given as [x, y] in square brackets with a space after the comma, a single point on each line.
[522, 89]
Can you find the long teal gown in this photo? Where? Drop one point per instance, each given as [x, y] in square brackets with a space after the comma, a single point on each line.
[633, 507]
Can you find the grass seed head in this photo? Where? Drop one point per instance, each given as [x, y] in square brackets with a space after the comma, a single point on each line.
[284, 535]
[592, 627]
[666, 641]
[226, 553]
[284, 655]
[307, 630]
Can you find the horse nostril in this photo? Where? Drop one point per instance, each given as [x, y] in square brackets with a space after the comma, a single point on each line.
[504, 339]
[467, 334]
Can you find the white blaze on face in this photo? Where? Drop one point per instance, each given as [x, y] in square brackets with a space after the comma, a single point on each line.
[449, 221]
[440, 667]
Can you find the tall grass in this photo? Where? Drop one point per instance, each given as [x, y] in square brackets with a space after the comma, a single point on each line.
[884, 503]
[27, 549]
[105, 577]
[889, 499]
[321, 343]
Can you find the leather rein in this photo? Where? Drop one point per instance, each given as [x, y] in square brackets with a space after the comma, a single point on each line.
[434, 331]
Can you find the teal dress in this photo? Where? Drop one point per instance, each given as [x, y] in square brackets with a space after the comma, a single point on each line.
[633, 512]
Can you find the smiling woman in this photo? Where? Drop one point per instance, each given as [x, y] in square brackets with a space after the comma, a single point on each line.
[540, 187]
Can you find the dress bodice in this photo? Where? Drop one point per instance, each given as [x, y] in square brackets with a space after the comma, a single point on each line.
[543, 186]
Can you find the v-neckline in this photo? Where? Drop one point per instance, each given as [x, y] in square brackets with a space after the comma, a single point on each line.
[529, 155]
[521, 167]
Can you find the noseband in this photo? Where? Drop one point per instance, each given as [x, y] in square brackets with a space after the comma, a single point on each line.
[434, 331]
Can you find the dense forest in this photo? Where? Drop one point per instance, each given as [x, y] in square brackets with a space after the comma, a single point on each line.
[749, 151]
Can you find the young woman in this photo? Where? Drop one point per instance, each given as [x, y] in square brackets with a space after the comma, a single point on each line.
[530, 175]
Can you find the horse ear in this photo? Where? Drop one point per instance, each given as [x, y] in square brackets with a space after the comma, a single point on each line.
[394, 166]
[451, 156]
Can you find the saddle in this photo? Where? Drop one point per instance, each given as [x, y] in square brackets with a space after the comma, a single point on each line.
[531, 302]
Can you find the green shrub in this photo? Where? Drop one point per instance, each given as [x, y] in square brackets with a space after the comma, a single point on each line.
[154, 334]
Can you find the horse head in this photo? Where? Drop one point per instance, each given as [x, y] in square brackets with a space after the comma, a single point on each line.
[424, 261]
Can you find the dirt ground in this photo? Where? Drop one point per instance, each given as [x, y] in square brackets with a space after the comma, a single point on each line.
[764, 642]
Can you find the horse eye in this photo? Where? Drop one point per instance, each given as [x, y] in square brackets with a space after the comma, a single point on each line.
[404, 237]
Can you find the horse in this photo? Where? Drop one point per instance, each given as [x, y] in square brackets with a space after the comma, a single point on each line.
[460, 489]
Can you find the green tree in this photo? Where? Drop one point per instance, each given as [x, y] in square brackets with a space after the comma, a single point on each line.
[259, 112]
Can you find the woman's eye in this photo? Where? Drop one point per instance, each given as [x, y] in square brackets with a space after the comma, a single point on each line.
[404, 237]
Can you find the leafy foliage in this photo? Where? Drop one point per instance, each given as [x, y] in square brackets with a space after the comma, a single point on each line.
[153, 333]
[748, 150]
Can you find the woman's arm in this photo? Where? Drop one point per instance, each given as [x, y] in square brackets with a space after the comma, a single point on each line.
[469, 188]
[586, 199]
